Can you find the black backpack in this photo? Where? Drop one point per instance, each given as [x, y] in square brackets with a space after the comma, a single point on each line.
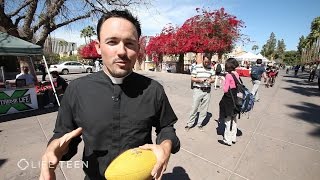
[218, 69]
[244, 101]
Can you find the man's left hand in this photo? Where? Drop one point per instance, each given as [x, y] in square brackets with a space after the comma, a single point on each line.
[162, 153]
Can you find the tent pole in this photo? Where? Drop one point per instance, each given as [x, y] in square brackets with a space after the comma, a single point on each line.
[54, 89]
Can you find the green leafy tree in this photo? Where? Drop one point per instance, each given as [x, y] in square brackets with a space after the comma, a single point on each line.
[281, 48]
[309, 47]
[255, 48]
[69, 58]
[315, 30]
[34, 20]
[291, 58]
[52, 58]
[301, 45]
[269, 49]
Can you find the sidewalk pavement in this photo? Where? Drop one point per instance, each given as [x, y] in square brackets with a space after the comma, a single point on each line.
[280, 140]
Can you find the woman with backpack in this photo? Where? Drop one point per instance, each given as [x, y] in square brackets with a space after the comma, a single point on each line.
[227, 105]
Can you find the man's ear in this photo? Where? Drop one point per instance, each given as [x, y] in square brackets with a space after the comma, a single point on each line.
[97, 45]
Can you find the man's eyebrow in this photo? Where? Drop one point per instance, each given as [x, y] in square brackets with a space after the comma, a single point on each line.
[115, 38]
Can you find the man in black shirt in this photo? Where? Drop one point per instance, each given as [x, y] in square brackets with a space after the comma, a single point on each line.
[61, 84]
[114, 109]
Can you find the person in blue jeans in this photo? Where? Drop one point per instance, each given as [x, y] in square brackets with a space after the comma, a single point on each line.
[257, 72]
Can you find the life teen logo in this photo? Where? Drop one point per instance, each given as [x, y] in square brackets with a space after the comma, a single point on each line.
[18, 100]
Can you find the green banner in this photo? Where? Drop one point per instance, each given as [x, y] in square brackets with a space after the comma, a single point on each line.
[18, 100]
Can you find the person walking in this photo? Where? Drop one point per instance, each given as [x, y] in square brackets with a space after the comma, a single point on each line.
[97, 65]
[218, 68]
[257, 72]
[117, 111]
[318, 75]
[202, 76]
[42, 68]
[226, 105]
[296, 70]
[313, 69]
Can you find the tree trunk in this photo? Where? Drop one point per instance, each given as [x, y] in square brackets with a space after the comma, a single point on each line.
[180, 63]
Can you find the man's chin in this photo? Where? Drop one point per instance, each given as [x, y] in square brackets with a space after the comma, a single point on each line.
[120, 73]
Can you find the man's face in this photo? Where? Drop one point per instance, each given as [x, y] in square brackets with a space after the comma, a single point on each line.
[118, 46]
[206, 62]
[25, 69]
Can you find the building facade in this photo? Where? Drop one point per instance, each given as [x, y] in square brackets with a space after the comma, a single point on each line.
[60, 46]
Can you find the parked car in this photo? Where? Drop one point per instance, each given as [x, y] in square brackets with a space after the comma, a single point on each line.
[70, 67]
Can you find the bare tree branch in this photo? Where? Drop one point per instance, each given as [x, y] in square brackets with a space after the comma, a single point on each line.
[51, 27]
[29, 17]
[14, 13]
[16, 23]
[72, 20]
[53, 10]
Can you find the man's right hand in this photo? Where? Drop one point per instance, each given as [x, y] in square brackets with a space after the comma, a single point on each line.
[53, 154]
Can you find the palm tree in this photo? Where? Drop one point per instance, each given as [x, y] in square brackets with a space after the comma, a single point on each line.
[83, 34]
[255, 48]
[87, 32]
[91, 32]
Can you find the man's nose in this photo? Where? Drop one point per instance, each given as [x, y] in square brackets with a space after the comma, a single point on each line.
[121, 49]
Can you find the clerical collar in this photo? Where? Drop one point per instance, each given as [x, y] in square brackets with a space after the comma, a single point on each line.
[117, 80]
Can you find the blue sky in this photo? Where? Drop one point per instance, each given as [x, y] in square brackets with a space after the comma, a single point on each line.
[288, 19]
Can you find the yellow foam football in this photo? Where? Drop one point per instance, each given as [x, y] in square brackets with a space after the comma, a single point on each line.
[133, 164]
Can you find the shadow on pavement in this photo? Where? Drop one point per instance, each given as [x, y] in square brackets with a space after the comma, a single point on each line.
[307, 91]
[26, 114]
[178, 173]
[310, 113]
[2, 161]
[302, 86]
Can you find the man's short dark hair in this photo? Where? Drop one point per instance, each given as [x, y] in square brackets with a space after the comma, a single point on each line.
[55, 73]
[259, 61]
[207, 55]
[125, 14]
[231, 64]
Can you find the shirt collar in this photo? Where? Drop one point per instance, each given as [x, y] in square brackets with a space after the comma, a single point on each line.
[117, 80]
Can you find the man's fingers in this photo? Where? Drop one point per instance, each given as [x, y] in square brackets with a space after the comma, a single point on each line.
[67, 137]
[75, 133]
[154, 172]
[147, 146]
[47, 168]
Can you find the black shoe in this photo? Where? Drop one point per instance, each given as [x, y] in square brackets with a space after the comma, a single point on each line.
[187, 128]
[233, 142]
[224, 143]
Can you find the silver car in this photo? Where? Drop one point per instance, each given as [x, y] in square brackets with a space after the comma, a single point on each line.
[70, 67]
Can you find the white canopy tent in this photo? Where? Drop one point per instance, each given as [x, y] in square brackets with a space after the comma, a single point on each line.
[264, 59]
[249, 56]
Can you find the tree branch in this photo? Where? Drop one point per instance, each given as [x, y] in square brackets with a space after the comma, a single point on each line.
[16, 23]
[71, 20]
[26, 3]
[28, 19]
[53, 10]
[6, 23]
[48, 28]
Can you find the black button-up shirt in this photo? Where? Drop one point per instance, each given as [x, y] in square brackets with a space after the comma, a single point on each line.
[114, 118]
